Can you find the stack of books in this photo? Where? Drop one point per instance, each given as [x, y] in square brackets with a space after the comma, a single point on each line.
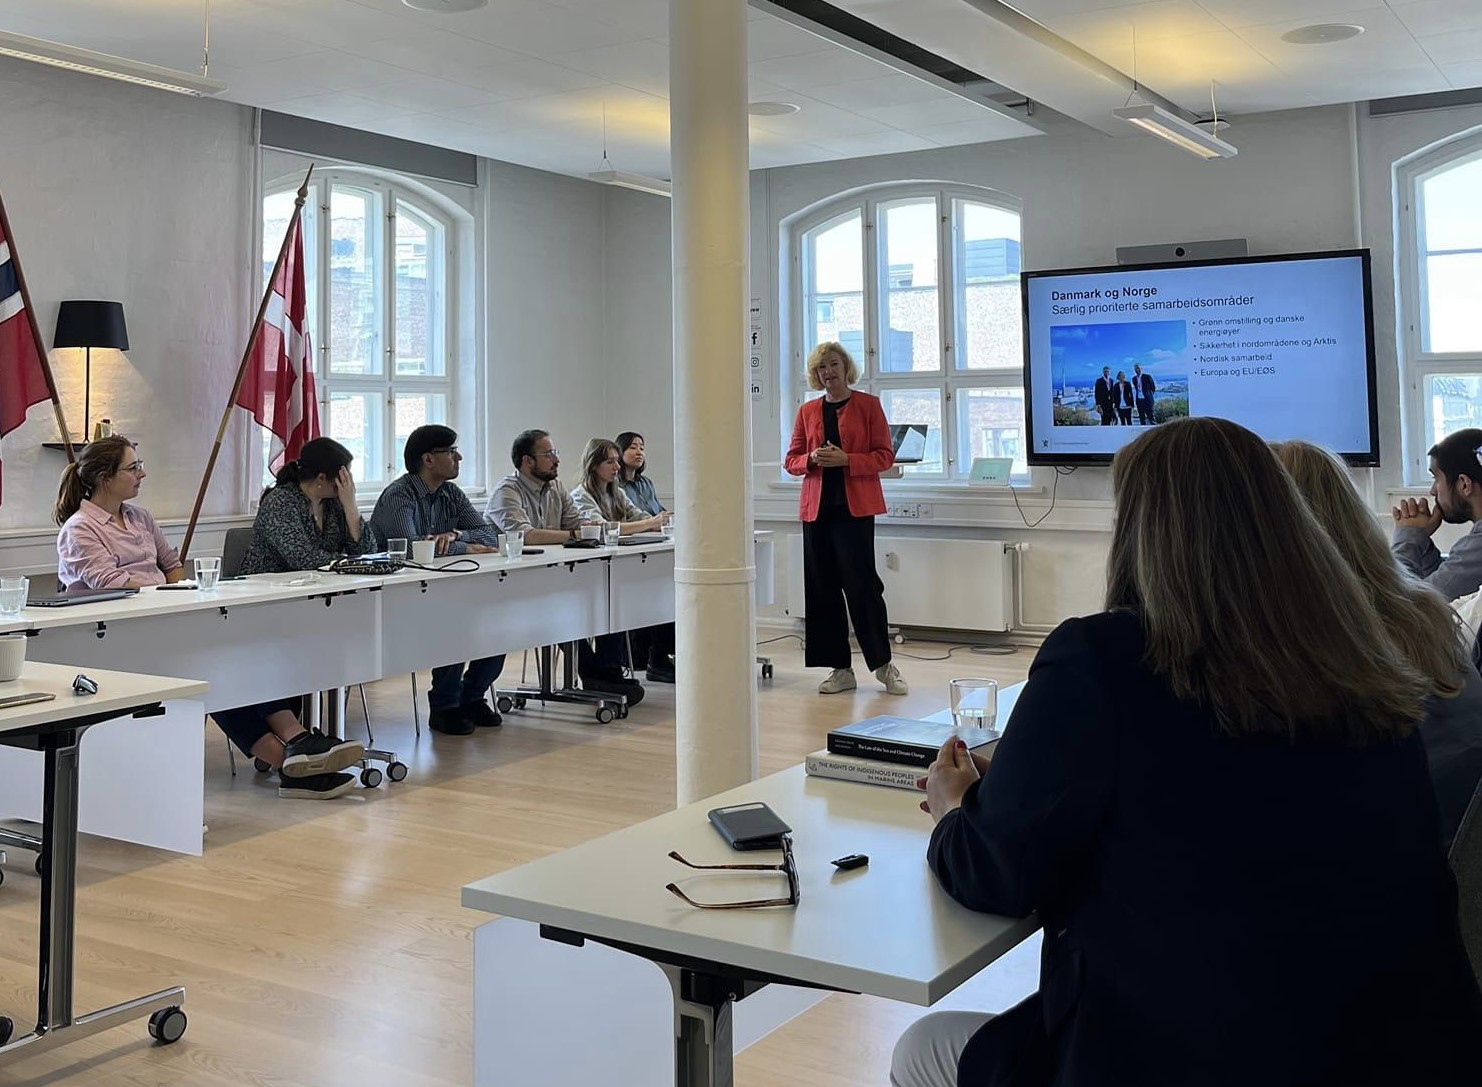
[893, 751]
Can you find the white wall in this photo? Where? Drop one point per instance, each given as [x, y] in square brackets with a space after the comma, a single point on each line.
[143, 197]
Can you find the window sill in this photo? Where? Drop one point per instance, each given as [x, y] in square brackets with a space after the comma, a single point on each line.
[905, 488]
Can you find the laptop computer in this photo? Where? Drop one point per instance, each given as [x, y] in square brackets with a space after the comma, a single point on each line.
[55, 598]
[909, 442]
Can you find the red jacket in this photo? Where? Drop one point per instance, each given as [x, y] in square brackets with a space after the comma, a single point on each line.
[863, 434]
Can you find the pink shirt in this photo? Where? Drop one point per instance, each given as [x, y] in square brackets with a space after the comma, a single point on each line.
[95, 552]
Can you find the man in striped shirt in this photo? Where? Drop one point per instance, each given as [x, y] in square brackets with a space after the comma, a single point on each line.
[426, 503]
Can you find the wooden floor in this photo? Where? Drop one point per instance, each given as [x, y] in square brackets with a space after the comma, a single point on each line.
[323, 943]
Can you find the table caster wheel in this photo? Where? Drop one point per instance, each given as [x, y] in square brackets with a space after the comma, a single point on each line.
[504, 703]
[37, 865]
[766, 671]
[604, 715]
[371, 778]
[397, 771]
[519, 703]
[260, 766]
[2, 880]
[167, 1025]
[7, 1028]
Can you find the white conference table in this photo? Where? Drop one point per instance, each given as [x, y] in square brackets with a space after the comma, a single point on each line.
[667, 979]
[51, 733]
[276, 636]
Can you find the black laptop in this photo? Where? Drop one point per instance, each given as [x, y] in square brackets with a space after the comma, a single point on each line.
[56, 598]
[909, 442]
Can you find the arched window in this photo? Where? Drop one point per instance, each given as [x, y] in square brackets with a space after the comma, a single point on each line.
[1440, 342]
[921, 284]
[380, 269]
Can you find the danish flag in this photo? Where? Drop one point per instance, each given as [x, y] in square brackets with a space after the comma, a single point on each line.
[278, 386]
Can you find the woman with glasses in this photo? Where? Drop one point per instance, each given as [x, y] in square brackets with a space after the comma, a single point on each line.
[1214, 795]
[106, 542]
[600, 497]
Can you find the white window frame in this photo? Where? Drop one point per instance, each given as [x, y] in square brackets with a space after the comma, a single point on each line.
[1417, 365]
[389, 194]
[948, 379]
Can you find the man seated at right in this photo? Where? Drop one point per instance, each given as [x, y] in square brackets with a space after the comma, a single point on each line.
[532, 500]
[1456, 485]
[426, 502]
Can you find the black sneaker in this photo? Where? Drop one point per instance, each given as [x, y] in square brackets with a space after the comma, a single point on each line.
[311, 753]
[629, 689]
[315, 787]
[481, 714]
[449, 722]
[659, 674]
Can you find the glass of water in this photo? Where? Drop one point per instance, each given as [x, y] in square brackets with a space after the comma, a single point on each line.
[13, 591]
[397, 549]
[208, 572]
[512, 544]
[974, 703]
[667, 528]
[613, 533]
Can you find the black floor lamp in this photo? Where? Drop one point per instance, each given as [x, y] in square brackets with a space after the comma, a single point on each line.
[88, 325]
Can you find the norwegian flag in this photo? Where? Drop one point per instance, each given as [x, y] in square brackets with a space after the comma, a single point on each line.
[22, 369]
[278, 386]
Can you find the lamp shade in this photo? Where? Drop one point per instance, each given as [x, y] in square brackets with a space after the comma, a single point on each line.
[91, 324]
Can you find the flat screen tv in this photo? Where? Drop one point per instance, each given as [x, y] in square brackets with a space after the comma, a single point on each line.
[1282, 345]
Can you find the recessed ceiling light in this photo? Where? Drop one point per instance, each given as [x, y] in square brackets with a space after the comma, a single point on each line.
[446, 7]
[1322, 33]
[772, 109]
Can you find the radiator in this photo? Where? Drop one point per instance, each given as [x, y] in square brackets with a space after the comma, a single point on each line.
[943, 584]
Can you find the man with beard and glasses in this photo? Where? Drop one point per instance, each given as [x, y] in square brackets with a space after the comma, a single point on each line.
[533, 500]
[1456, 485]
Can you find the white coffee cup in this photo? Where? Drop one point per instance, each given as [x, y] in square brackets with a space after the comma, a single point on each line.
[424, 551]
[12, 656]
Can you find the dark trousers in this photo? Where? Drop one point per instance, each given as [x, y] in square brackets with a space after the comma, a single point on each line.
[1145, 412]
[603, 657]
[839, 569]
[455, 685]
[1124, 415]
[245, 725]
[653, 646]
[1108, 413]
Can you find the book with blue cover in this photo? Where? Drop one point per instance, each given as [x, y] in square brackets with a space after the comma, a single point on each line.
[902, 740]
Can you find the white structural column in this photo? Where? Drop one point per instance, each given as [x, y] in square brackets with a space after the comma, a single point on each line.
[715, 573]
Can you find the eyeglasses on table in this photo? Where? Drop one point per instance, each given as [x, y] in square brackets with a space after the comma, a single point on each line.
[788, 867]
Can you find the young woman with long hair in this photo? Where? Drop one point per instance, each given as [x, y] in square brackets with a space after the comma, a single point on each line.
[106, 541]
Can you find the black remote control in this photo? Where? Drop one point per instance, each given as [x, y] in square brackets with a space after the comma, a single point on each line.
[854, 860]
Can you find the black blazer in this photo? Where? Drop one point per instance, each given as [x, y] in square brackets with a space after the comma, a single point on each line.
[1216, 912]
[1145, 386]
[1104, 392]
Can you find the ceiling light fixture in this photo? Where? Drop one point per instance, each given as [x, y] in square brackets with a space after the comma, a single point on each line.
[772, 109]
[446, 7]
[106, 65]
[621, 178]
[1322, 33]
[1186, 134]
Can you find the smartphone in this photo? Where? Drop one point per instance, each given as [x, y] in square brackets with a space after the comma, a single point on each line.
[749, 826]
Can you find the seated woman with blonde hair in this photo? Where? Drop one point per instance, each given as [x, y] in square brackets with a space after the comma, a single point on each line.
[1418, 620]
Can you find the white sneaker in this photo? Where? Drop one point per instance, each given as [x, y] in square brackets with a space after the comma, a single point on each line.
[890, 676]
[840, 679]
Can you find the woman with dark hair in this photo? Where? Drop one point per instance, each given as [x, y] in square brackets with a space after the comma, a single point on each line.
[1418, 619]
[106, 542]
[1215, 797]
[641, 490]
[308, 517]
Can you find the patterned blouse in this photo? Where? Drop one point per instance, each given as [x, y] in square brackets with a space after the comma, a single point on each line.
[285, 537]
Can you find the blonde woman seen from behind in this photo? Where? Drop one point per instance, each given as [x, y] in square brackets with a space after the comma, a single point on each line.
[1417, 619]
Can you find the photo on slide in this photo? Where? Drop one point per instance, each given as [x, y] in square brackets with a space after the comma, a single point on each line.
[1121, 355]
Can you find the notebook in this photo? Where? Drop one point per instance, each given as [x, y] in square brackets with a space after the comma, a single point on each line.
[909, 442]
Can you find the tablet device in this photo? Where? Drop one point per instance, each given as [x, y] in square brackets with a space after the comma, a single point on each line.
[909, 442]
[52, 598]
[749, 826]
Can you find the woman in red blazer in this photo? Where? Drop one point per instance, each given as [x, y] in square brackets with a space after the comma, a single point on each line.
[840, 445]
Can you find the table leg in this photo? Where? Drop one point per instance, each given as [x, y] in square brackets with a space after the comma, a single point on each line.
[704, 1054]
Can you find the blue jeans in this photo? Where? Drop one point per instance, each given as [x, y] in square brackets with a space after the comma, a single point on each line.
[245, 725]
[455, 685]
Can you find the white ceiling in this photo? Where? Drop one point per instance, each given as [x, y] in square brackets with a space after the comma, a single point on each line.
[527, 81]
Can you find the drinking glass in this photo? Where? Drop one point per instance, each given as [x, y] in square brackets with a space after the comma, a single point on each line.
[614, 533]
[208, 572]
[974, 703]
[667, 529]
[397, 549]
[512, 544]
[13, 592]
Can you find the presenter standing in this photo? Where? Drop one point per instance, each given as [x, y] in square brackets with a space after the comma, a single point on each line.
[840, 445]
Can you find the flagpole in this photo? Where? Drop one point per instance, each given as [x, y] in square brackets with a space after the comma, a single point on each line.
[51, 382]
[226, 416]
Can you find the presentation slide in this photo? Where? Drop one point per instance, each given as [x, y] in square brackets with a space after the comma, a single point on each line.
[1279, 346]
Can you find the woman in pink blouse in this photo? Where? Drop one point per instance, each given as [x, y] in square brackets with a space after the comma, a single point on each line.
[106, 543]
